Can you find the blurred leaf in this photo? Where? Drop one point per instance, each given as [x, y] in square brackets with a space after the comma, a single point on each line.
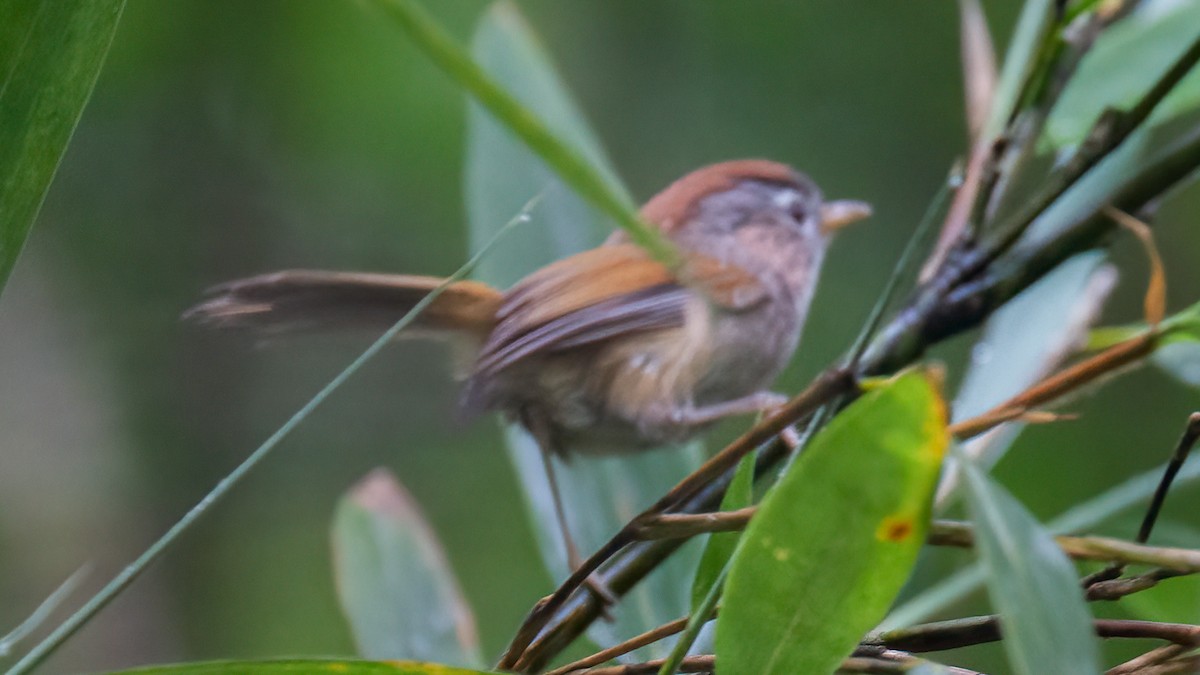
[1123, 65]
[393, 581]
[572, 167]
[50, 55]
[600, 494]
[41, 613]
[836, 538]
[1097, 186]
[298, 666]
[502, 173]
[1181, 360]
[720, 546]
[1034, 587]
[1022, 343]
[1019, 61]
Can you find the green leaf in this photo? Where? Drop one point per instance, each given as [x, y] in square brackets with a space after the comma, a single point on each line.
[836, 538]
[1022, 343]
[395, 586]
[1123, 65]
[1046, 624]
[301, 666]
[1019, 61]
[721, 545]
[50, 55]
[600, 493]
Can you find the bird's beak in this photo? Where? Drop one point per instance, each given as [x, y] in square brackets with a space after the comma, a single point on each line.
[838, 214]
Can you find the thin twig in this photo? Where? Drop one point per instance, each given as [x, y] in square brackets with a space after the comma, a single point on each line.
[975, 630]
[1115, 589]
[1187, 441]
[692, 664]
[1153, 657]
[637, 642]
[1105, 549]
[946, 533]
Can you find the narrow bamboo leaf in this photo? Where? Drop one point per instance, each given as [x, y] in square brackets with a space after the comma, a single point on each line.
[600, 494]
[502, 173]
[1019, 61]
[836, 538]
[1121, 67]
[1022, 343]
[301, 666]
[720, 546]
[50, 55]
[395, 586]
[1034, 587]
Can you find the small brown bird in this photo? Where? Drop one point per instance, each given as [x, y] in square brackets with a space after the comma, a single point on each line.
[607, 351]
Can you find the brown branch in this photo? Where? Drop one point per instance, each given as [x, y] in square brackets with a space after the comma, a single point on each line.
[1104, 549]
[945, 533]
[975, 630]
[885, 662]
[690, 664]
[1115, 589]
[1154, 657]
[636, 642]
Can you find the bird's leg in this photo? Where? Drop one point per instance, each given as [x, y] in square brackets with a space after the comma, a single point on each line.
[758, 402]
[546, 447]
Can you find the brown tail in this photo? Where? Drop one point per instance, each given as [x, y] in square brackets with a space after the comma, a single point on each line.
[308, 300]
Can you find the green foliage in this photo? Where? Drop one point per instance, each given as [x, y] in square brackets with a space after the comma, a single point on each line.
[1121, 67]
[50, 55]
[303, 666]
[396, 587]
[836, 538]
[1047, 626]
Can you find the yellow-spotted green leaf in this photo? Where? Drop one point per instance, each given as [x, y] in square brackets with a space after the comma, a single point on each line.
[1034, 587]
[395, 586]
[50, 54]
[302, 667]
[600, 493]
[721, 545]
[836, 538]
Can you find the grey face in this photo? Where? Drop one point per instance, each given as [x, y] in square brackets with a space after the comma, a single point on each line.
[793, 206]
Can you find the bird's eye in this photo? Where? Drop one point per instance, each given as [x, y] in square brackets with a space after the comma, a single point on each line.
[798, 210]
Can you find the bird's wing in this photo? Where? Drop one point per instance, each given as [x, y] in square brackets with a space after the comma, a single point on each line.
[604, 293]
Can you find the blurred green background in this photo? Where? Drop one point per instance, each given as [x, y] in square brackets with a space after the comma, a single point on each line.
[228, 138]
